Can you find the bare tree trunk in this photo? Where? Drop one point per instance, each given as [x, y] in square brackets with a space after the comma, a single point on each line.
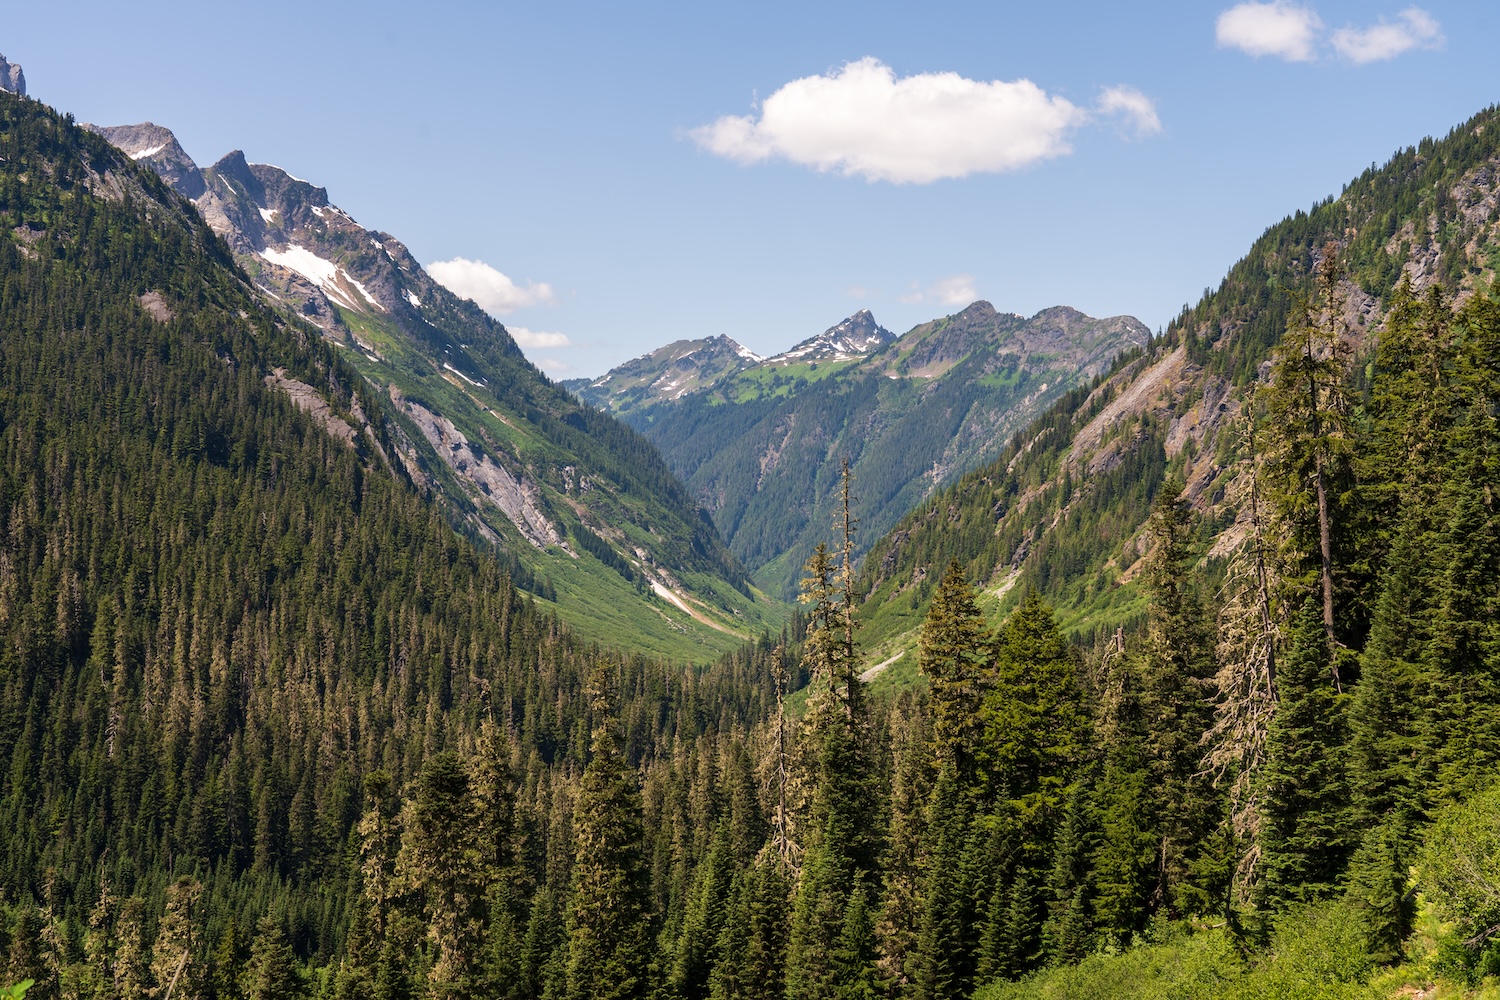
[1268, 628]
[850, 676]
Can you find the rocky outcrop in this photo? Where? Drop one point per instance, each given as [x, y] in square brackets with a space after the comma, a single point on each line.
[159, 148]
[11, 77]
[493, 481]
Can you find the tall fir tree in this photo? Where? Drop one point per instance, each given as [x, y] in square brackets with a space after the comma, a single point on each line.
[1176, 667]
[956, 657]
[441, 863]
[608, 916]
[272, 973]
[1305, 835]
[1308, 434]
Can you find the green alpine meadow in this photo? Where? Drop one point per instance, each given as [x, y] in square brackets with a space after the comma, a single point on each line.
[348, 651]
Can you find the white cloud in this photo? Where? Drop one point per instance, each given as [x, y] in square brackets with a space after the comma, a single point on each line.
[860, 120]
[534, 339]
[1414, 28]
[553, 366]
[955, 291]
[1138, 110]
[1278, 28]
[491, 291]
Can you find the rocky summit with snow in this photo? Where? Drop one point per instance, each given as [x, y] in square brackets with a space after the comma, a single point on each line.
[855, 337]
[298, 246]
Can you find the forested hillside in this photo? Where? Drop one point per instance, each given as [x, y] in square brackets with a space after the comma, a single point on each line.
[1064, 507]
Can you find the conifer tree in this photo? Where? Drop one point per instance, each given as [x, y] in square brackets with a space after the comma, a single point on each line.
[854, 955]
[608, 917]
[440, 861]
[177, 964]
[955, 656]
[132, 971]
[1307, 429]
[812, 970]
[945, 961]
[1305, 832]
[1244, 684]
[1379, 888]
[28, 958]
[704, 921]
[1389, 708]
[730, 978]
[100, 945]
[228, 963]
[272, 973]
[379, 844]
[1176, 666]
[911, 786]
[1036, 727]
[769, 894]
[1068, 931]
[1123, 861]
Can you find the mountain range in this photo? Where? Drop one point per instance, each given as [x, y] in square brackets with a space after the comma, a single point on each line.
[761, 442]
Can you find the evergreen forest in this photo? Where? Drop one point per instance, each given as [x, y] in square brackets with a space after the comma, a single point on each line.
[271, 729]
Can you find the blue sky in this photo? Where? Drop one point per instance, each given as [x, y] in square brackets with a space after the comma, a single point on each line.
[649, 172]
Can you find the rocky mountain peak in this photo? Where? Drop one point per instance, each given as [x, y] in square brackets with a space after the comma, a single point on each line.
[11, 77]
[232, 167]
[855, 337]
[160, 150]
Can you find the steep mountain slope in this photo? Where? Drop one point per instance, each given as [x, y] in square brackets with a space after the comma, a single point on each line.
[587, 510]
[761, 447]
[1063, 508]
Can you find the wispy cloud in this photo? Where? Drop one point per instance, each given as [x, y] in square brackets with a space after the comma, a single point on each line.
[537, 339]
[957, 290]
[1413, 28]
[861, 120]
[1294, 33]
[490, 289]
[1136, 109]
[1278, 28]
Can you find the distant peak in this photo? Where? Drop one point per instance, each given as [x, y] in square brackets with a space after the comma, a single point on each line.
[11, 77]
[859, 334]
[855, 337]
[233, 164]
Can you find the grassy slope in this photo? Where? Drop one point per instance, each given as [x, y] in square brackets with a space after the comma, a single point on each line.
[1313, 955]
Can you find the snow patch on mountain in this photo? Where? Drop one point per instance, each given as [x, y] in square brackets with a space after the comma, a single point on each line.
[327, 275]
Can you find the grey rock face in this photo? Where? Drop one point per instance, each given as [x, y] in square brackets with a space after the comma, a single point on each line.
[11, 77]
[158, 147]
